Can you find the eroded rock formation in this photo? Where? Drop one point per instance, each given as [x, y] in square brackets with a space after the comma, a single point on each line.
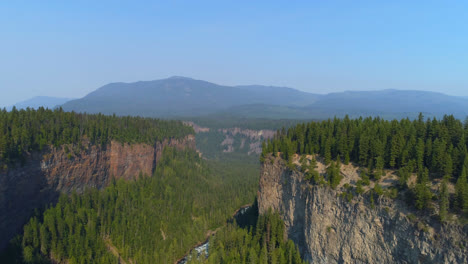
[48, 173]
[330, 229]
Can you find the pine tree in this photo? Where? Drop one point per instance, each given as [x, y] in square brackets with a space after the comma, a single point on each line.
[395, 150]
[379, 165]
[264, 152]
[364, 149]
[422, 190]
[420, 154]
[334, 175]
[461, 189]
[443, 200]
[328, 154]
[448, 165]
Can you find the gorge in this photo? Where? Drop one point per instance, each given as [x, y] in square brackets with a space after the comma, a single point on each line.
[57, 170]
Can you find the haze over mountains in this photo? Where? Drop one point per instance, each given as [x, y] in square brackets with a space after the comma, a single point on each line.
[38, 101]
[186, 97]
[181, 96]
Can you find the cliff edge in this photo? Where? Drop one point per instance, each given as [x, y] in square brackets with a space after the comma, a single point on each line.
[331, 229]
[58, 170]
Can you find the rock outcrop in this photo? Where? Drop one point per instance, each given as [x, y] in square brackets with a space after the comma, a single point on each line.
[254, 137]
[237, 139]
[331, 229]
[48, 173]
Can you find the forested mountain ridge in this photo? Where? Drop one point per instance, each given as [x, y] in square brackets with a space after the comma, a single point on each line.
[186, 97]
[391, 103]
[45, 153]
[180, 96]
[389, 175]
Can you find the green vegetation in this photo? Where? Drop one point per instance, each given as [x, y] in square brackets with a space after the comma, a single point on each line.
[152, 220]
[209, 143]
[434, 149]
[423, 191]
[443, 201]
[334, 175]
[312, 174]
[29, 130]
[263, 243]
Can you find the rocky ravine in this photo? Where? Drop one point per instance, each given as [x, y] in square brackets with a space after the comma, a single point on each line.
[49, 173]
[250, 140]
[329, 229]
[255, 138]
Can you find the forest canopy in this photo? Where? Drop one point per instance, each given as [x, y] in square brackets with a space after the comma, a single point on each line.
[439, 145]
[434, 149]
[151, 220]
[264, 242]
[23, 131]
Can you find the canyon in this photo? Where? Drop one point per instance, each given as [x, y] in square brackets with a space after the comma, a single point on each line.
[331, 229]
[65, 169]
[233, 139]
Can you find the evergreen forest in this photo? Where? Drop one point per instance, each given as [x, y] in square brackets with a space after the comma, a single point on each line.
[151, 220]
[23, 131]
[262, 242]
[434, 150]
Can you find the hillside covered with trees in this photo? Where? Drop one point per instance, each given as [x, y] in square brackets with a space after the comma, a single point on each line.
[434, 150]
[151, 220]
[263, 242]
[23, 131]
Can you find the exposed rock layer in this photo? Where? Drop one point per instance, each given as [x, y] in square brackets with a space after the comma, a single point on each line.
[48, 173]
[255, 138]
[329, 229]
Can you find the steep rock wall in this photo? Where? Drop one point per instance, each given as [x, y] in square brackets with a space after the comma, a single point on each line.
[329, 229]
[49, 173]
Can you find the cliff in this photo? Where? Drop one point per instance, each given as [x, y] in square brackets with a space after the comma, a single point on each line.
[331, 229]
[58, 170]
[254, 138]
[229, 140]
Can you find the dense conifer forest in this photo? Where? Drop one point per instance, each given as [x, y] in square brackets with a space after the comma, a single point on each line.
[152, 220]
[433, 149]
[263, 242]
[23, 131]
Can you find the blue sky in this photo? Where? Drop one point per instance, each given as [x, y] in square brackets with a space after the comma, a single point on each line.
[69, 50]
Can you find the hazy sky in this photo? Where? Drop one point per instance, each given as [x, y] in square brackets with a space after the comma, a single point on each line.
[68, 50]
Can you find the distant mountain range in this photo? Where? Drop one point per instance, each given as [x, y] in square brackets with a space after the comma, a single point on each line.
[38, 101]
[185, 97]
[390, 103]
[181, 96]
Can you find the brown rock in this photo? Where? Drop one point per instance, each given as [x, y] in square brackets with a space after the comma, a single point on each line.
[51, 172]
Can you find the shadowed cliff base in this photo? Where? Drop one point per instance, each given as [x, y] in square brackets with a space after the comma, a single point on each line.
[39, 182]
[330, 228]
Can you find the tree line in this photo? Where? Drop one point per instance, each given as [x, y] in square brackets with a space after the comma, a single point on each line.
[432, 148]
[26, 130]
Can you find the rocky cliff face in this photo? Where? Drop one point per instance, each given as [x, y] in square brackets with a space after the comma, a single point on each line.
[56, 170]
[255, 138]
[330, 229]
